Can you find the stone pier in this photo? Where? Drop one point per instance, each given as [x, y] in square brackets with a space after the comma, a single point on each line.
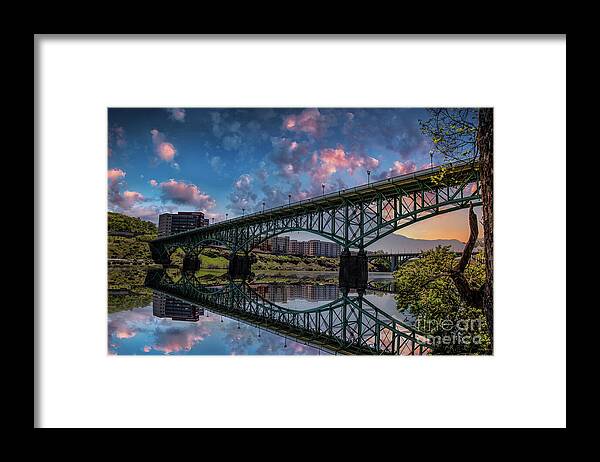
[191, 263]
[240, 266]
[354, 270]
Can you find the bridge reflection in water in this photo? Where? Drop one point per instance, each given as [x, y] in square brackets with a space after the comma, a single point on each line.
[349, 324]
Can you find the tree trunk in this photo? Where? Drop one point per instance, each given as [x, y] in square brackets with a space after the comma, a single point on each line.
[472, 297]
[485, 146]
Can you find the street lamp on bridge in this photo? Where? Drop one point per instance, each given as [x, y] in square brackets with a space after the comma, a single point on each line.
[368, 177]
[323, 187]
[289, 199]
[226, 216]
[263, 211]
[243, 212]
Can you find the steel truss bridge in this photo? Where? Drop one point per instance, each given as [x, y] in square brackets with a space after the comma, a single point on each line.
[395, 259]
[353, 218]
[398, 259]
[348, 325]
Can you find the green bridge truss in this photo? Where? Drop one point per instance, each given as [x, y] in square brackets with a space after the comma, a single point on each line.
[354, 218]
[348, 325]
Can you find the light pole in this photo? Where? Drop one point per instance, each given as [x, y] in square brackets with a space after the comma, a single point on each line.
[243, 212]
[213, 219]
[431, 159]
[289, 199]
[368, 177]
[226, 215]
[263, 208]
[323, 187]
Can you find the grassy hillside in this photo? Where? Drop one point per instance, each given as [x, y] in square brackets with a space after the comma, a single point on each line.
[117, 222]
[134, 247]
[126, 289]
[265, 262]
[212, 258]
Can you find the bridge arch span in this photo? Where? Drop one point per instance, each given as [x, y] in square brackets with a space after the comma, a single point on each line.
[353, 218]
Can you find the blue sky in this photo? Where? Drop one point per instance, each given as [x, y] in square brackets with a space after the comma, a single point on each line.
[221, 161]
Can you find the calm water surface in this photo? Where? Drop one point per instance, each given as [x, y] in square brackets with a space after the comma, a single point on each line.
[151, 330]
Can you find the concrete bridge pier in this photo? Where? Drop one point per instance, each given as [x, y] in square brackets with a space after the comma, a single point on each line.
[393, 263]
[354, 270]
[191, 262]
[240, 265]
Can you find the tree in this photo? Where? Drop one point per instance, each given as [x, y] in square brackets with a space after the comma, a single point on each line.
[425, 287]
[459, 134]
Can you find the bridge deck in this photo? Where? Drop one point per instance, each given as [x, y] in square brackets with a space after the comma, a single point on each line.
[408, 183]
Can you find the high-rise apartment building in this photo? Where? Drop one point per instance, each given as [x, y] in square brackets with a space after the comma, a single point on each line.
[295, 247]
[285, 245]
[164, 306]
[280, 244]
[173, 223]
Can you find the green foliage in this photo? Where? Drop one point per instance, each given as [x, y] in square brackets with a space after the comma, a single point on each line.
[129, 301]
[117, 222]
[129, 248]
[126, 289]
[424, 288]
[126, 278]
[453, 133]
[214, 262]
[380, 264]
[265, 262]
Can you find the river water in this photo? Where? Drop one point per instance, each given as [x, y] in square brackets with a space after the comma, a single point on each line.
[140, 321]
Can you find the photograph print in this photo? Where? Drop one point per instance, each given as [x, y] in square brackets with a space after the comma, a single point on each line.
[300, 231]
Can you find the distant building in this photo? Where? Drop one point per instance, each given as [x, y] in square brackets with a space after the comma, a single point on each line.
[164, 306]
[329, 249]
[285, 245]
[304, 248]
[278, 293]
[280, 245]
[295, 247]
[318, 248]
[173, 223]
[265, 246]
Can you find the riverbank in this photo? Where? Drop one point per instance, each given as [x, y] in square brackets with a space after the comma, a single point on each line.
[128, 239]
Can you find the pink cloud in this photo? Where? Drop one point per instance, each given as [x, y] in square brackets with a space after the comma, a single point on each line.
[308, 121]
[163, 149]
[153, 183]
[131, 197]
[243, 182]
[117, 199]
[126, 200]
[166, 151]
[177, 114]
[180, 340]
[115, 174]
[147, 348]
[181, 192]
[124, 333]
[331, 160]
[399, 168]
